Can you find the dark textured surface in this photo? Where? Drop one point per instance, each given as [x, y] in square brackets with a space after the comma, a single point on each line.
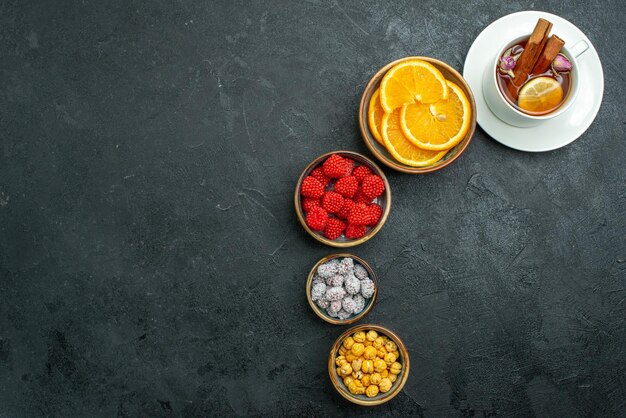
[151, 263]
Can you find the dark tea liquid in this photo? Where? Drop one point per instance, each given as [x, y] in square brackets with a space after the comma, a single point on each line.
[506, 86]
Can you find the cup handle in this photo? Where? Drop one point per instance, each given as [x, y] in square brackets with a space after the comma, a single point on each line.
[579, 48]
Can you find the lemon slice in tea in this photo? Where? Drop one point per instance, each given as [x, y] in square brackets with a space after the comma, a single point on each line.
[540, 95]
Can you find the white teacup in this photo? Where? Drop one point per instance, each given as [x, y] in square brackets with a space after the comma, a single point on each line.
[503, 109]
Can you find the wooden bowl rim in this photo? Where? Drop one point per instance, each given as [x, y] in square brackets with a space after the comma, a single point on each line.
[317, 309]
[390, 162]
[372, 232]
[357, 399]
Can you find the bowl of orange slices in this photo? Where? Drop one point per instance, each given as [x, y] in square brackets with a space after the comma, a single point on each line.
[417, 115]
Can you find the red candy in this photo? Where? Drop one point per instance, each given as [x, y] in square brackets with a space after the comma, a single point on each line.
[311, 187]
[373, 186]
[332, 202]
[316, 219]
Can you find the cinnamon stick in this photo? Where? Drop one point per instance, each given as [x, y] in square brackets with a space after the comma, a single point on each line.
[552, 48]
[531, 52]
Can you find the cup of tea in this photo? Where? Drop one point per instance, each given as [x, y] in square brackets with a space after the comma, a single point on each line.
[524, 91]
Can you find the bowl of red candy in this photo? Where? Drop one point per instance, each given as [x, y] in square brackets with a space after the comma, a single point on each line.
[342, 199]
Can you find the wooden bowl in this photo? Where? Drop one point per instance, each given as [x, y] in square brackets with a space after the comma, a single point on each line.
[381, 152]
[384, 200]
[381, 398]
[322, 312]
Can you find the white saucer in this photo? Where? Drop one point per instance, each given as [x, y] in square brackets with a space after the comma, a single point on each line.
[551, 134]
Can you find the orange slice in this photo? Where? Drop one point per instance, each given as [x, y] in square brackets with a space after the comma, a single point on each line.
[375, 115]
[438, 126]
[401, 148]
[412, 81]
[540, 95]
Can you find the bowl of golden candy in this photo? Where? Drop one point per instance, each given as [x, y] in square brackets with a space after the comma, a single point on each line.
[368, 365]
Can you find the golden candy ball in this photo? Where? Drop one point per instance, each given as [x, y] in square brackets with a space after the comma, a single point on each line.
[356, 364]
[357, 375]
[371, 391]
[355, 387]
[358, 349]
[390, 358]
[366, 379]
[379, 342]
[371, 335]
[380, 365]
[376, 378]
[391, 346]
[385, 385]
[370, 353]
[359, 336]
[392, 377]
[345, 369]
[347, 343]
[395, 368]
[367, 366]
[340, 360]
